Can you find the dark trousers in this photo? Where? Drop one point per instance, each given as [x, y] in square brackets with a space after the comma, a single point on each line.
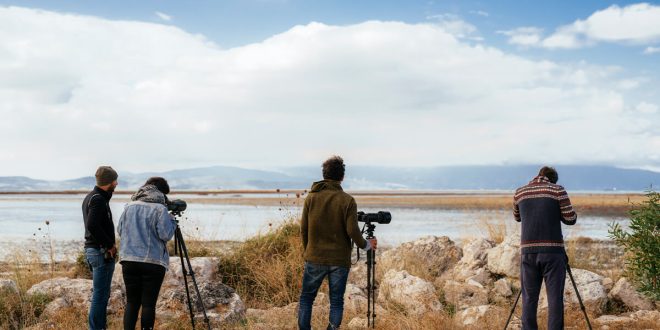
[534, 269]
[143, 281]
[312, 279]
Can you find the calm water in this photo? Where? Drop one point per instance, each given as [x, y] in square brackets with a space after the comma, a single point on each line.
[22, 219]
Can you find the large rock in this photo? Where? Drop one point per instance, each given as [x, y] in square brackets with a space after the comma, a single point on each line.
[205, 269]
[474, 315]
[74, 293]
[590, 287]
[624, 292]
[475, 256]
[639, 318]
[222, 303]
[464, 295]
[504, 259]
[411, 292]
[8, 285]
[502, 288]
[431, 255]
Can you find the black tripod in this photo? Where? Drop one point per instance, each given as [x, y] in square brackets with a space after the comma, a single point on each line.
[371, 278]
[181, 250]
[570, 275]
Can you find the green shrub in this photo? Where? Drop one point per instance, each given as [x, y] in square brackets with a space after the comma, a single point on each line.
[642, 245]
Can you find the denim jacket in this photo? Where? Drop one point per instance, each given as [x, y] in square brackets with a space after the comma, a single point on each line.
[144, 229]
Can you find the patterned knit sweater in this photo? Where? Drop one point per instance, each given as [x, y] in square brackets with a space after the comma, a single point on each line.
[542, 206]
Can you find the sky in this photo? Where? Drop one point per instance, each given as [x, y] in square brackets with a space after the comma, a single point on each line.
[159, 85]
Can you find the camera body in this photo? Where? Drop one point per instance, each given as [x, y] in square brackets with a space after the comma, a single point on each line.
[177, 206]
[382, 217]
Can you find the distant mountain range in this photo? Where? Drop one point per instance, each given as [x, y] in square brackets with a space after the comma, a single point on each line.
[585, 178]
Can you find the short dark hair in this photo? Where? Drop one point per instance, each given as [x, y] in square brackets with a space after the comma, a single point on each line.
[334, 168]
[160, 183]
[550, 173]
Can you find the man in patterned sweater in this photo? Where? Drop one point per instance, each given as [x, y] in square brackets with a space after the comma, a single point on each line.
[541, 206]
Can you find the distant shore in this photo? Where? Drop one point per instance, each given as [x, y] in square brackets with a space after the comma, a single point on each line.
[587, 203]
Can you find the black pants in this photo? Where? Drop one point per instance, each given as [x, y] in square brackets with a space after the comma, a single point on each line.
[143, 281]
[536, 268]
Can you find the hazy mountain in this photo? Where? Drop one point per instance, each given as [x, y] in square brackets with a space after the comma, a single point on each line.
[366, 178]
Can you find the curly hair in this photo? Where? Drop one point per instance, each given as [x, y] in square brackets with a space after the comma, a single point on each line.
[334, 168]
[160, 183]
[550, 173]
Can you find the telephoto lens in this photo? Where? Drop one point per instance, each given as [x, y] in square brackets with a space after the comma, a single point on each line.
[382, 217]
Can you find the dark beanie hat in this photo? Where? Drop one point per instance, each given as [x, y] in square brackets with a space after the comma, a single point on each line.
[105, 175]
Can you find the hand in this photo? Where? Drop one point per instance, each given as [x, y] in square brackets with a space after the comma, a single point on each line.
[373, 242]
[113, 251]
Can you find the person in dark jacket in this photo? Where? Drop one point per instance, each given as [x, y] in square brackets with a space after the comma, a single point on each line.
[144, 229]
[328, 227]
[542, 206]
[100, 250]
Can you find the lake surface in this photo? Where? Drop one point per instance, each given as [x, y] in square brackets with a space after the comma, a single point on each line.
[23, 222]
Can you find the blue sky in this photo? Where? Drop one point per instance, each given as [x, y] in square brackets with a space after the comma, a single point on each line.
[257, 83]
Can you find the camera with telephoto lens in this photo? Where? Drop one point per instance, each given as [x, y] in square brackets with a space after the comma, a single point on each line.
[382, 217]
[177, 206]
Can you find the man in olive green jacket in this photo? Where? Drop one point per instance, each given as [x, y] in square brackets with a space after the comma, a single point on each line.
[328, 227]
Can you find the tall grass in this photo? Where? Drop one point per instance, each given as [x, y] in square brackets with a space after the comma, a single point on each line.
[266, 270]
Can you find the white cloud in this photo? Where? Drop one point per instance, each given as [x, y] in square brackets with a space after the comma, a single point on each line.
[480, 13]
[163, 16]
[633, 24]
[523, 36]
[647, 108]
[456, 26]
[80, 91]
[651, 50]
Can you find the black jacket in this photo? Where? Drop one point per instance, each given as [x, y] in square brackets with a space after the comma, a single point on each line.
[99, 228]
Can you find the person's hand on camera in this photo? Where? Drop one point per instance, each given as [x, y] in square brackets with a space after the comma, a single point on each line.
[373, 242]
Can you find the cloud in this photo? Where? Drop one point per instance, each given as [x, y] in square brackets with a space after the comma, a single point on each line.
[163, 16]
[635, 24]
[79, 91]
[651, 50]
[480, 13]
[523, 36]
[456, 26]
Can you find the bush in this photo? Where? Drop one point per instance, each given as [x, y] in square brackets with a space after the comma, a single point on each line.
[642, 245]
[267, 269]
[18, 310]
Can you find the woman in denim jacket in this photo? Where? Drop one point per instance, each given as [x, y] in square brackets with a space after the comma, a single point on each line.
[144, 228]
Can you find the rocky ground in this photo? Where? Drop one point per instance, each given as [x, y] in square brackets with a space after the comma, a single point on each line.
[471, 284]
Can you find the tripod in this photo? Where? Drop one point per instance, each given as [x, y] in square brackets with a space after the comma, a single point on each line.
[371, 278]
[181, 250]
[570, 275]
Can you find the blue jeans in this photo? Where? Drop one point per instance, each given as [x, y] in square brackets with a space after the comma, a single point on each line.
[312, 279]
[536, 268]
[102, 271]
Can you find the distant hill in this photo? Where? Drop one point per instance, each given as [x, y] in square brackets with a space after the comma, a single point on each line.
[596, 178]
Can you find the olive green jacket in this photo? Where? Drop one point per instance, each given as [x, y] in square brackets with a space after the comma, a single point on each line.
[329, 225]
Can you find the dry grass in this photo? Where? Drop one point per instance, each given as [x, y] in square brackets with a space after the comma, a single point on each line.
[267, 269]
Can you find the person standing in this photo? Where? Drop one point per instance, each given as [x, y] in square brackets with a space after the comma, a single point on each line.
[144, 229]
[328, 228]
[100, 249]
[541, 206]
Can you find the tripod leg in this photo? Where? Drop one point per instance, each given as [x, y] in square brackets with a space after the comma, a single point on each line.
[369, 289]
[184, 253]
[178, 248]
[513, 309]
[373, 288]
[584, 311]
